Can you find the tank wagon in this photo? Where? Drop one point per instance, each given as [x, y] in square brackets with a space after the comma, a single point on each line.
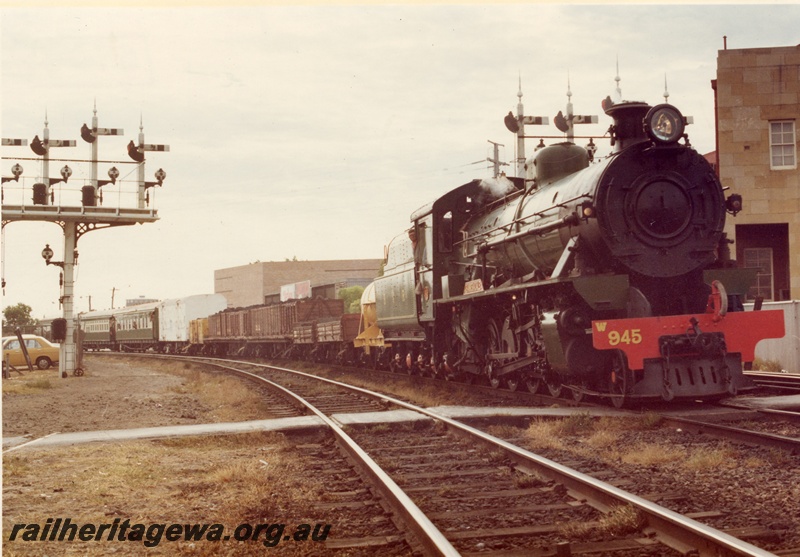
[611, 278]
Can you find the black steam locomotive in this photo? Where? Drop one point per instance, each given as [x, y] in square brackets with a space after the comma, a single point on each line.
[610, 278]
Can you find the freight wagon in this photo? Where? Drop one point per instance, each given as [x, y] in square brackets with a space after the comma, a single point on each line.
[309, 328]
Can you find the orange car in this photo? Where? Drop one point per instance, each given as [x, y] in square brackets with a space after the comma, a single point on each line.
[42, 352]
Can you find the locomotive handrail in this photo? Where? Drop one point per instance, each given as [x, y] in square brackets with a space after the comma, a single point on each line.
[520, 221]
[568, 220]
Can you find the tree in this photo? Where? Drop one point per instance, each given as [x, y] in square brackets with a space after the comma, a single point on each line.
[17, 316]
[352, 298]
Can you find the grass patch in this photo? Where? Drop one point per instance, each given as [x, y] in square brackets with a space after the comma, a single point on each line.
[378, 429]
[523, 480]
[780, 458]
[544, 434]
[575, 424]
[603, 439]
[551, 434]
[648, 454]
[29, 383]
[650, 420]
[40, 384]
[228, 397]
[772, 366]
[251, 478]
[618, 522]
[704, 458]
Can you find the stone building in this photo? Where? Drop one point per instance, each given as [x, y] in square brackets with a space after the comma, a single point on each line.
[757, 99]
[253, 284]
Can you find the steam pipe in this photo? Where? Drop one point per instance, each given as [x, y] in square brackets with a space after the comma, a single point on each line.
[569, 220]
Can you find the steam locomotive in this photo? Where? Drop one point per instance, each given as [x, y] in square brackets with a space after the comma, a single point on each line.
[611, 278]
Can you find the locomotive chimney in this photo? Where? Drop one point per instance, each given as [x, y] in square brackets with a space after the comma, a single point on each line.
[628, 123]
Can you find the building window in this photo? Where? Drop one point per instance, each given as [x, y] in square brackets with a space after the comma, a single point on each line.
[761, 259]
[782, 145]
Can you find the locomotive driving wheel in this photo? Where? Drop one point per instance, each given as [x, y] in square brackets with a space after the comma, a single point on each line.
[533, 384]
[579, 390]
[553, 383]
[512, 382]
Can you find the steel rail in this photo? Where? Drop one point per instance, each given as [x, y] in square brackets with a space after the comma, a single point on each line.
[785, 414]
[788, 381]
[737, 434]
[432, 540]
[673, 529]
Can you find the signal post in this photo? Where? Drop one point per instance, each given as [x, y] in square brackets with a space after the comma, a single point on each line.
[80, 215]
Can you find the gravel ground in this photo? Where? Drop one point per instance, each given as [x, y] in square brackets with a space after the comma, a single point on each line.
[113, 394]
[749, 486]
[253, 479]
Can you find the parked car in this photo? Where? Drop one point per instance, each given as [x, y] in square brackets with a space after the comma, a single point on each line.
[42, 352]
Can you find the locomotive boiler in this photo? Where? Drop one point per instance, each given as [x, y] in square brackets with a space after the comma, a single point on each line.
[611, 278]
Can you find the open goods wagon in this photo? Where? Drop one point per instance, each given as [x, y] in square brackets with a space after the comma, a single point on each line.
[269, 330]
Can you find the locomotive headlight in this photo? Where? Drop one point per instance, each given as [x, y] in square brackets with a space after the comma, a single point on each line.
[664, 124]
[733, 204]
[586, 210]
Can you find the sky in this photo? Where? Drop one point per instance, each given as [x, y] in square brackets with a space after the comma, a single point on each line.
[314, 131]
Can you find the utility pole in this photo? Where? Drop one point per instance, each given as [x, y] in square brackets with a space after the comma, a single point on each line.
[496, 159]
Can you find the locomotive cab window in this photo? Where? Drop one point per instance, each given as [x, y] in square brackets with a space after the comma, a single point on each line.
[446, 233]
[422, 253]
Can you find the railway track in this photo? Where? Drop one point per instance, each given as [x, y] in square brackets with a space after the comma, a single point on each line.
[737, 434]
[454, 490]
[784, 381]
[702, 424]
